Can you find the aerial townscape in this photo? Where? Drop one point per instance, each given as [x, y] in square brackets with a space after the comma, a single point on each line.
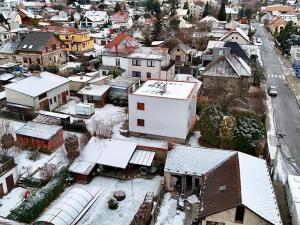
[149, 112]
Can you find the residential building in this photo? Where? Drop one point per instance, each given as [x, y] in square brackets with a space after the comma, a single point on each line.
[93, 93]
[231, 11]
[151, 63]
[76, 41]
[41, 48]
[280, 9]
[49, 12]
[195, 10]
[40, 136]
[152, 107]
[121, 20]
[8, 174]
[234, 24]
[210, 21]
[227, 72]
[236, 35]
[49, 92]
[293, 194]
[146, 20]
[122, 86]
[239, 191]
[277, 23]
[92, 19]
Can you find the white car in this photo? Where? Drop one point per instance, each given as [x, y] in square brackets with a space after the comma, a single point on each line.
[258, 41]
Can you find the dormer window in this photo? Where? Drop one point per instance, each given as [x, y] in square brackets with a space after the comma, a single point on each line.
[30, 46]
[24, 46]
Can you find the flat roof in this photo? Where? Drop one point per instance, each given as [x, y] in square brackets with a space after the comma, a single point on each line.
[124, 82]
[79, 78]
[142, 157]
[154, 53]
[53, 114]
[39, 130]
[42, 83]
[173, 89]
[94, 90]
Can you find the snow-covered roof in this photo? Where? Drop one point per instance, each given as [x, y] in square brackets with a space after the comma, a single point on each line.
[2, 95]
[95, 16]
[94, 90]
[151, 53]
[124, 82]
[108, 152]
[44, 82]
[142, 157]
[194, 161]
[294, 188]
[173, 89]
[39, 130]
[236, 30]
[6, 76]
[83, 167]
[59, 18]
[78, 78]
[209, 19]
[68, 208]
[257, 188]
[53, 114]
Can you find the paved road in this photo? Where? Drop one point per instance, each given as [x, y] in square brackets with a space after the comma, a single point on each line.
[286, 111]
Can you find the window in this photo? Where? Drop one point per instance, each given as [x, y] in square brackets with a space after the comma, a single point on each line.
[178, 49]
[236, 38]
[25, 60]
[67, 45]
[54, 47]
[54, 99]
[214, 223]
[41, 96]
[136, 62]
[148, 75]
[46, 49]
[140, 106]
[150, 63]
[67, 92]
[117, 62]
[239, 214]
[50, 101]
[140, 122]
[38, 61]
[136, 74]
[103, 73]
[67, 36]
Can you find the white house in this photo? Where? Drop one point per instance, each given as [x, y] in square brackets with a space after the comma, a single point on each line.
[121, 20]
[8, 176]
[163, 109]
[43, 90]
[236, 35]
[293, 198]
[94, 19]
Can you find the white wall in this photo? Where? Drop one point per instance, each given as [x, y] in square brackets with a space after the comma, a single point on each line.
[13, 171]
[111, 61]
[235, 37]
[19, 98]
[56, 92]
[163, 116]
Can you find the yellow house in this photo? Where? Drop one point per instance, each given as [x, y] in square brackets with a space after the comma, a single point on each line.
[76, 41]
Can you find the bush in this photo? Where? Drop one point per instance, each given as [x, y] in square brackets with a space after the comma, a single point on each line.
[51, 69]
[118, 100]
[249, 130]
[33, 206]
[226, 132]
[71, 147]
[209, 124]
[113, 203]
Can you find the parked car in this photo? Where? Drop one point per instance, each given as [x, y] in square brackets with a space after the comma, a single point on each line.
[258, 41]
[272, 91]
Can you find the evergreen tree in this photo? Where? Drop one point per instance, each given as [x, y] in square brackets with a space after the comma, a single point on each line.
[206, 10]
[174, 23]
[229, 18]
[186, 5]
[173, 8]
[148, 40]
[157, 28]
[118, 7]
[222, 13]
[156, 7]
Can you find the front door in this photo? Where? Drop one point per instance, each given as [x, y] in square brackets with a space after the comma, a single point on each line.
[9, 182]
[64, 97]
[44, 105]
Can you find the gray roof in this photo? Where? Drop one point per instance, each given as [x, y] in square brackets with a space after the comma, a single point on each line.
[34, 41]
[123, 82]
[194, 161]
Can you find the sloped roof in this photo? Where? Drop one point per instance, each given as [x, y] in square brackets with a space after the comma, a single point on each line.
[118, 39]
[236, 49]
[194, 161]
[119, 17]
[35, 41]
[236, 30]
[244, 180]
[44, 82]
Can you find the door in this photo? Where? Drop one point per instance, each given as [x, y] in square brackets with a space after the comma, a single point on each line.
[10, 182]
[1, 190]
[44, 105]
[64, 97]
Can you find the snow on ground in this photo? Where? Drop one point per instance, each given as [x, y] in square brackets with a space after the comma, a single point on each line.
[69, 65]
[271, 130]
[135, 191]
[69, 107]
[11, 201]
[193, 142]
[167, 214]
[14, 125]
[27, 166]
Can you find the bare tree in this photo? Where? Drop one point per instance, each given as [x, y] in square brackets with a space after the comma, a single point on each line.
[102, 129]
[71, 147]
[47, 171]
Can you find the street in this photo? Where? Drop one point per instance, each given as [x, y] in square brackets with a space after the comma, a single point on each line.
[286, 110]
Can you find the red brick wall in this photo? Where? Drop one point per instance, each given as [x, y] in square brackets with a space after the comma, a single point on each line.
[43, 145]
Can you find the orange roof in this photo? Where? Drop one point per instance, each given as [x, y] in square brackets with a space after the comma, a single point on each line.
[278, 21]
[58, 29]
[119, 17]
[244, 20]
[117, 40]
[280, 8]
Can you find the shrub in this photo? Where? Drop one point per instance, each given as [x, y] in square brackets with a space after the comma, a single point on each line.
[249, 130]
[33, 206]
[226, 132]
[71, 147]
[209, 124]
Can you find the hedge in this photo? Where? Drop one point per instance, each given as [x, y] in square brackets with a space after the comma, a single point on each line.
[31, 208]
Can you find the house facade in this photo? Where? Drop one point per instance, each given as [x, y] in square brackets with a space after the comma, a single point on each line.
[92, 19]
[8, 176]
[50, 92]
[158, 97]
[236, 35]
[121, 19]
[42, 48]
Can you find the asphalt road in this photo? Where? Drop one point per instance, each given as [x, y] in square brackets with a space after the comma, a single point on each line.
[286, 110]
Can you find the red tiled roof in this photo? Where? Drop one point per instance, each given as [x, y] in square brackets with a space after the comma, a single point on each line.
[59, 29]
[244, 20]
[119, 17]
[117, 40]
